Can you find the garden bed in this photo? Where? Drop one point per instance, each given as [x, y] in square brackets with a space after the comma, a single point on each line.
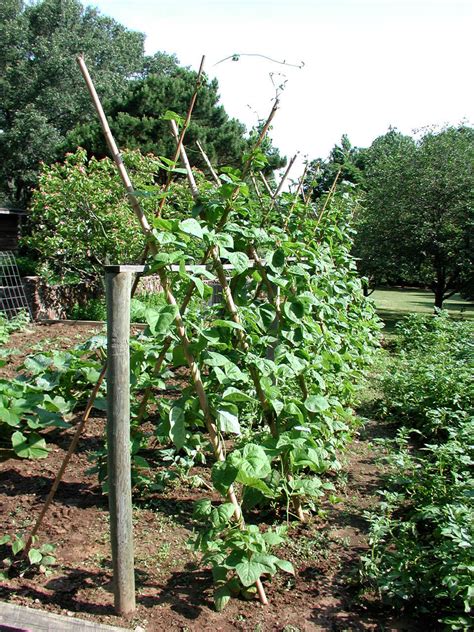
[173, 592]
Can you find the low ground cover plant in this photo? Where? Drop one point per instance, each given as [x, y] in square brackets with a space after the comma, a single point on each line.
[422, 533]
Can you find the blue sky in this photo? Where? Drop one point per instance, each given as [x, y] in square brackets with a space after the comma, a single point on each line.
[369, 64]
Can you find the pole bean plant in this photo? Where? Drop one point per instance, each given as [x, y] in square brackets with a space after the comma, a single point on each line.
[271, 368]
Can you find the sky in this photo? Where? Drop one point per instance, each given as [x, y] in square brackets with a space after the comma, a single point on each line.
[368, 64]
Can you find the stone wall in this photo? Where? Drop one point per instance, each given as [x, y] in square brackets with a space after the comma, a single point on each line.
[51, 302]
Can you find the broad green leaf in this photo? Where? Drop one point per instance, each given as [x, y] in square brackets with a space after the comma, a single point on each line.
[202, 509]
[255, 463]
[223, 474]
[200, 287]
[191, 226]
[229, 324]
[9, 416]
[239, 260]
[34, 556]
[222, 597]
[316, 403]
[177, 426]
[294, 310]
[18, 545]
[31, 447]
[216, 359]
[277, 260]
[232, 394]
[286, 566]
[249, 572]
[160, 320]
[228, 422]
[221, 515]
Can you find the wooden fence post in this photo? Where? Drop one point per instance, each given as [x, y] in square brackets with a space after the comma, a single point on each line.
[118, 286]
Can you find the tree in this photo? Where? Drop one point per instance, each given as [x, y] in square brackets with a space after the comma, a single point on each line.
[417, 220]
[344, 162]
[42, 92]
[137, 119]
[80, 218]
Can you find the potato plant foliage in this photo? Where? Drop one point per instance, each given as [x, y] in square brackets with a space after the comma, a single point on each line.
[422, 533]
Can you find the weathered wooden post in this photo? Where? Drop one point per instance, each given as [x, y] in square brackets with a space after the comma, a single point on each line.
[118, 285]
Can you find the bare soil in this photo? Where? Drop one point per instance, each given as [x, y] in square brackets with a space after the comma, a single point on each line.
[173, 591]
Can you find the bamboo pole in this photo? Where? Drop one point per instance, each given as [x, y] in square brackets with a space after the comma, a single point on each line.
[208, 163]
[330, 194]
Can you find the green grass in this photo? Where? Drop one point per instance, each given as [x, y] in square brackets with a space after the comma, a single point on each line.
[394, 303]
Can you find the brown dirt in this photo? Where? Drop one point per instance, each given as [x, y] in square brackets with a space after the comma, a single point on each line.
[173, 591]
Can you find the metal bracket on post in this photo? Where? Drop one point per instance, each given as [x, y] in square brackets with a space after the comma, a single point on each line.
[118, 285]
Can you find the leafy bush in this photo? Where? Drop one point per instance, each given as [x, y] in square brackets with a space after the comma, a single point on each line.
[8, 326]
[422, 533]
[430, 384]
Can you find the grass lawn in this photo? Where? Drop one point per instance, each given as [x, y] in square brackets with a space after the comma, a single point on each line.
[394, 303]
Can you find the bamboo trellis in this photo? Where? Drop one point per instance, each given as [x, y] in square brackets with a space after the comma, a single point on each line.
[167, 283]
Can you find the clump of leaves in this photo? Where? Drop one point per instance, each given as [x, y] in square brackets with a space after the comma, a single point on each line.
[422, 534]
[239, 555]
[14, 563]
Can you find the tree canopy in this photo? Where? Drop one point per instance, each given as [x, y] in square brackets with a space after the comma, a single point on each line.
[45, 109]
[42, 92]
[417, 220]
[136, 119]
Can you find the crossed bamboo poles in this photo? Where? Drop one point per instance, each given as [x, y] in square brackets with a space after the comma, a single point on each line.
[212, 253]
[214, 436]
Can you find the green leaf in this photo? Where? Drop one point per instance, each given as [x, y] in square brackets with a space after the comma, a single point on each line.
[4, 539]
[232, 394]
[31, 447]
[223, 474]
[200, 287]
[227, 323]
[249, 572]
[277, 260]
[222, 597]
[18, 545]
[222, 514]
[294, 310]
[177, 426]
[239, 260]
[255, 462]
[316, 403]
[216, 359]
[286, 566]
[202, 509]
[228, 422]
[191, 226]
[160, 320]
[9, 416]
[34, 556]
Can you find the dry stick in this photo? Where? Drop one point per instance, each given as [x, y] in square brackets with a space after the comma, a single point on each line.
[330, 194]
[67, 458]
[214, 436]
[208, 163]
[265, 182]
[297, 192]
[285, 175]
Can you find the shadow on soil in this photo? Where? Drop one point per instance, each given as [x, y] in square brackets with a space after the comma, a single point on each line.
[12, 483]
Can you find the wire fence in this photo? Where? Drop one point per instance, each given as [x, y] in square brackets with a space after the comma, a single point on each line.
[12, 293]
